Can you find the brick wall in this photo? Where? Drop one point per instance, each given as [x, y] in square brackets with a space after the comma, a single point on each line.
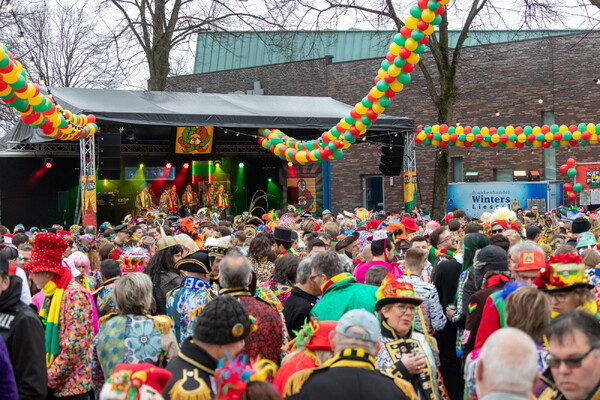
[508, 78]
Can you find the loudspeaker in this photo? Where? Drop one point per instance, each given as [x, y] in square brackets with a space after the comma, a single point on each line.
[109, 155]
[292, 194]
[390, 163]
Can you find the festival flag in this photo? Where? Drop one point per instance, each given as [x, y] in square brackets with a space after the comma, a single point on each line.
[410, 190]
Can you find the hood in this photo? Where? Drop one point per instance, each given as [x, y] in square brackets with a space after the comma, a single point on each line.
[11, 296]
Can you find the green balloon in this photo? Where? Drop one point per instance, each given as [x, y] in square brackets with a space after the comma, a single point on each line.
[500, 144]
[475, 130]
[553, 128]
[427, 128]
[318, 156]
[348, 136]
[582, 127]
[403, 78]
[462, 137]
[420, 49]
[528, 130]
[476, 144]
[437, 136]
[584, 142]
[433, 5]
[567, 135]
[399, 39]
[20, 104]
[348, 118]
[399, 62]
[451, 129]
[382, 86]
[415, 11]
[512, 137]
[450, 143]
[427, 142]
[19, 84]
[539, 137]
[578, 187]
[310, 146]
[338, 154]
[366, 102]
[528, 143]
[487, 138]
[572, 172]
[555, 143]
[384, 101]
[437, 20]
[385, 64]
[4, 62]
[331, 146]
[501, 130]
[366, 121]
[415, 35]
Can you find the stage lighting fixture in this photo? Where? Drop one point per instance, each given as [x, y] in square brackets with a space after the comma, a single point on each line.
[270, 180]
[141, 165]
[241, 165]
[217, 163]
[169, 165]
[290, 164]
[48, 162]
[186, 165]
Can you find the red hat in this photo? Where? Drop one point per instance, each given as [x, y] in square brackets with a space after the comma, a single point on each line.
[448, 217]
[373, 224]
[409, 224]
[530, 261]
[146, 380]
[47, 254]
[501, 222]
[320, 339]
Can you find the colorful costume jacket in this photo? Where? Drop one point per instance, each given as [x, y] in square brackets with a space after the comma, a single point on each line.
[143, 201]
[430, 316]
[192, 374]
[105, 299]
[169, 203]
[71, 372]
[210, 200]
[428, 384]
[341, 294]
[181, 301]
[132, 339]
[190, 202]
[222, 200]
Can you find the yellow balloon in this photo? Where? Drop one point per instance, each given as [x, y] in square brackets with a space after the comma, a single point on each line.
[459, 143]
[510, 130]
[381, 73]
[331, 136]
[435, 142]
[430, 29]
[360, 126]
[536, 130]
[393, 70]
[410, 44]
[396, 86]
[470, 137]
[377, 108]
[421, 136]
[563, 128]
[459, 130]
[435, 128]
[495, 138]
[301, 156]
[510, 144]
[485, 144]
[537, 144]
[427, 15]
[395, 49]
[485, 130]
[41, 118]
[445, 137]
[411, 22]
[549, 136]
[413, 59]
[359, 108]
[11, 77]
[311, 155]
[344, 124]
[18, 67]
[375, 93]
[564, 142]
[576, 135]
[2, 53]
[6, 91]
[444, 1]
[591, 128]
[522, 138]
[346, 145]
[594, 137]
[593, 142]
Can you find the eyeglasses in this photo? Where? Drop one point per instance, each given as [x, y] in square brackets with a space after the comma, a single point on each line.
[559, 297]
[571, 363]
[497, 231]
[450, 237]
[405, 307]
[313, 277]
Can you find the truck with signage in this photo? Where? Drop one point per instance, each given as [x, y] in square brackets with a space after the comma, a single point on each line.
[475, 198]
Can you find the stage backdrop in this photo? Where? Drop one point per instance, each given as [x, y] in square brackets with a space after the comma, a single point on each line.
[194, 140]
[309, 181]
[477, 198]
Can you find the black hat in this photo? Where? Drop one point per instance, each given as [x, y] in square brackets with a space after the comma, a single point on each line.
[254, 221]
[283, 235]
[223, 320]
[197, 262]
[121, 228]
[347, 241]
[532, 231]
[3, 264]
[580, 225]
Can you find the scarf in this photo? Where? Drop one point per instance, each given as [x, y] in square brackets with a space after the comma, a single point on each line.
[146, 199]
[190, 197]
[50, 313]
[590, 307]
[222, 200]
[209, 198]
[171, 201]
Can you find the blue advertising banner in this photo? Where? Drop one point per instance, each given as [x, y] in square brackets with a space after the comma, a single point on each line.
[477, 198]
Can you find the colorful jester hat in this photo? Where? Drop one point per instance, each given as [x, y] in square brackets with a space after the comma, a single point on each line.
[136, 382]
[394, 290]
[563, 272]
[233, 375]
[313, 335]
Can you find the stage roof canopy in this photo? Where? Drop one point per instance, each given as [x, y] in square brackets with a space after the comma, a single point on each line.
[136, 107]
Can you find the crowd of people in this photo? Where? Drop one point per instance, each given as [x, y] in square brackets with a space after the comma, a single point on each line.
[292, 305]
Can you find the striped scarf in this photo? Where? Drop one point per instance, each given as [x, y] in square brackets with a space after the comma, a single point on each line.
[50, 313]
[222, 200]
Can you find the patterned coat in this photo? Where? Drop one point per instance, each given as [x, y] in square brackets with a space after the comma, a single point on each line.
[182, 301]
[431, 313]
[169, 203]
[71, 371]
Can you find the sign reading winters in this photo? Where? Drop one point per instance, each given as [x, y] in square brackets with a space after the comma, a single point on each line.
[477, 198]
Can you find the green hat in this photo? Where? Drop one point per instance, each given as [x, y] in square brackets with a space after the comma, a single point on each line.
[586, 239]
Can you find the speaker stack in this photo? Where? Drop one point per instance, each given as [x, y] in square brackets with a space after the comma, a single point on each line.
[109, 155]
[391, 160]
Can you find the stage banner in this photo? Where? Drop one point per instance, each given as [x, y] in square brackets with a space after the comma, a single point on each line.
[307, 190]
[477, 198]
[194, 140]
[410, 190]
[588, 175]
[88, 200]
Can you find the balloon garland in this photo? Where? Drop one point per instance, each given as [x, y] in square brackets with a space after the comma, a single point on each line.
[510, 136]
[569, 169]
[36, 109]
[392, 76]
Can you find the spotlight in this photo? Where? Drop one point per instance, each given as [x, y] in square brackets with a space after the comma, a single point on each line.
[270, 180]
[497, 113]
[169, 165]
[48, 162]
[217, 163]
[541, 101]
[141, 165]
[290, 164]
[186, 165]
[241, 165]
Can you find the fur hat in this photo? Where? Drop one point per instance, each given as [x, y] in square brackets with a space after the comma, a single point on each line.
[580, 225]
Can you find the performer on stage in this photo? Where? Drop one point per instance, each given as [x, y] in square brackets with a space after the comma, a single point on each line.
[189, 199]
[169, 201]
[143, 201]
[222, 202]
[210, 198]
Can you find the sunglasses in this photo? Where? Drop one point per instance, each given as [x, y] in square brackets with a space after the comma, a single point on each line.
[497, 230]
[571, 363]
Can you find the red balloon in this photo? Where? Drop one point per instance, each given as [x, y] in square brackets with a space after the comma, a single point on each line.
[91, 118]
[586, 135]
[493, 130]
[389, 93]
[453, 137]
[545, 129]
[422, 4]
[558, 136]
[572, 196]
[564, 168]
[468, 129]
[372, 115]
[390, 57]
[572, 128]
[504, 138]
[573, 142]
[443, 128]
[354, 114]
[518, 130]
[531, 137]
[570, 163]
[355, 132]
[377, 79]
[492, 144]
[417, 140]
[389, 79]
[468, 144]
[519, 145]
[440, 10]
[404, 53]
[424, 40]
[430, 135]
[325, 138]
[422, 25]
[478, 138]
[568, 187]
[405, 32]
[408, 68]
[546, 144]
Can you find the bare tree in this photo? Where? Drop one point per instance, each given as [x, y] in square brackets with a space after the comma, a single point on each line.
[440, 77]
[157, 27]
